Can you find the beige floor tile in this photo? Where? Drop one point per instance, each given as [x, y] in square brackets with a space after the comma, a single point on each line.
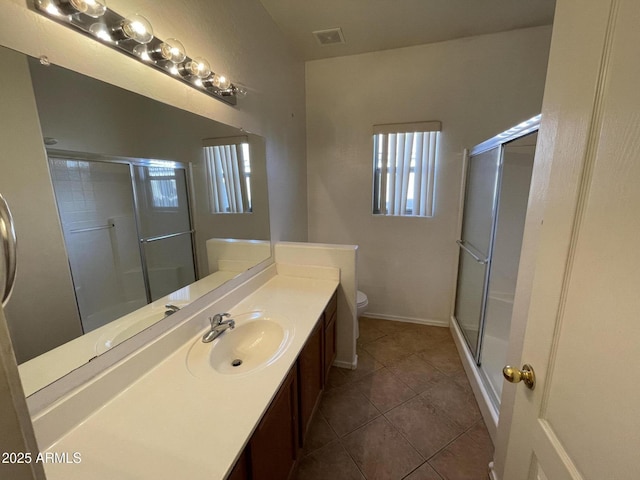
[444, 357]
[462, 460]
[366, 365]
[368, 332]
[412, 341]
[448, 398]
[387, 326]
[415, 372]
[386, 351]
[384, 389]
[381, 452]
[346, 409]
[330, 462]
[426, 429]
[336, 378]
[320, 434]
[424, 472]
[479, 434]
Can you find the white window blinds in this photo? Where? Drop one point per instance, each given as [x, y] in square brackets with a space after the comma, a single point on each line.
[404, 168]
[228, 172]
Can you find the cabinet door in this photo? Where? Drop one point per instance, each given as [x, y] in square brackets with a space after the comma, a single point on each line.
[310, 376]
[330, 316]
[274, 444]
[329, 345]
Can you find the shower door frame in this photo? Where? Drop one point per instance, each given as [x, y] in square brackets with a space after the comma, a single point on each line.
[499, 141]
[133, 162]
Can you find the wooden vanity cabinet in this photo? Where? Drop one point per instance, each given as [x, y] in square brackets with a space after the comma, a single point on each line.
[241, 469]
[311, 376]
[330, 316]
[273, 448]
[272, 451]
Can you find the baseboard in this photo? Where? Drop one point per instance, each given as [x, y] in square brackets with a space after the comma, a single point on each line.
[489, 412]
[348, 365]
[396, 318]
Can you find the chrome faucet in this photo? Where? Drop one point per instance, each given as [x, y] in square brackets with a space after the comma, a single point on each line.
[170, 309]
[218, 326]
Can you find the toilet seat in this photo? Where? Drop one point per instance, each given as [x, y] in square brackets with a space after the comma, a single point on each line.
[361, 299]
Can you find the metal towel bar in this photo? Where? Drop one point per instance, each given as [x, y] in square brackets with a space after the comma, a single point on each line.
[481, 261]
[92, 229]
[164, 237]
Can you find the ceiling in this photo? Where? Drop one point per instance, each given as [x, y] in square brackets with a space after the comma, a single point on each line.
[371, 25]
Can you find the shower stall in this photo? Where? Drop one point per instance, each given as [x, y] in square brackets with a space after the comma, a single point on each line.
[495, 203]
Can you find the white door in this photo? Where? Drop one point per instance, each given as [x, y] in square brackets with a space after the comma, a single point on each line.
[582, 420]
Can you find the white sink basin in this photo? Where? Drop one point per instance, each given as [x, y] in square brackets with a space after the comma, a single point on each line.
[255, 342]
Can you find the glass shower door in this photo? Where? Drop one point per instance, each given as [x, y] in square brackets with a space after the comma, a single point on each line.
[166, 236]
[475, 243]
[95, 203]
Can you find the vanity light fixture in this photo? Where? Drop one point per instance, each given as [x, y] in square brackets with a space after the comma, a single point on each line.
[91, 8]
[134, 36]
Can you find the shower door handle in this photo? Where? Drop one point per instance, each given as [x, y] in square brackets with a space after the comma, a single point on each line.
[8, 240]
[481, 261]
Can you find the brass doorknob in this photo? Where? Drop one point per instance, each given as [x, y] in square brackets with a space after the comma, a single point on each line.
[527, 375]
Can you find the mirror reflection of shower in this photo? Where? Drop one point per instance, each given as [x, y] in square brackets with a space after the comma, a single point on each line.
[127, 232]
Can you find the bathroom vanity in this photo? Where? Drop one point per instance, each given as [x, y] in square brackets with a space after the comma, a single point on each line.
[187, 415]
[272, 451]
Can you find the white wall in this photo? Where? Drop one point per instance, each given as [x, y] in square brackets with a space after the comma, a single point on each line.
[476, 86]
[343, 257]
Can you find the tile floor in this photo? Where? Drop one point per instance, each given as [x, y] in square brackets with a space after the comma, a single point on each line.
[407, 412]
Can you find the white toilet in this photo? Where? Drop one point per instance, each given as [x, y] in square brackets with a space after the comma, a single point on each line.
[362, 302]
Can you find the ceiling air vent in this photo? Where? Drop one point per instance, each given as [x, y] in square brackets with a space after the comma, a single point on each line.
[331, 36]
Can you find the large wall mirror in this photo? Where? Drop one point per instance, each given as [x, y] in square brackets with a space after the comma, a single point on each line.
[122, 205]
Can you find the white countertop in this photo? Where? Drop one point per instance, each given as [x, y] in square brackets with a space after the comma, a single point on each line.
[170, 424]
[52, 365]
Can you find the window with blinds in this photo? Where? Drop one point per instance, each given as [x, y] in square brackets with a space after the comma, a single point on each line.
[163, 187]
[228, 167]
[404, 166]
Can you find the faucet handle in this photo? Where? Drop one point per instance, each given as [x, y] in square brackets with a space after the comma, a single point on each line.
[217, 318]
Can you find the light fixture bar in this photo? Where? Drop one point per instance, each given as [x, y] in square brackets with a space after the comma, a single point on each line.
[115, 31]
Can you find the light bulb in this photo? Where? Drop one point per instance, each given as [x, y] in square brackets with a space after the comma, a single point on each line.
[101, 31]
[173, 50]
[93, 8]
[50, 7]
[142, 52]
[221, 81]
[137, 28]
[198, 67]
